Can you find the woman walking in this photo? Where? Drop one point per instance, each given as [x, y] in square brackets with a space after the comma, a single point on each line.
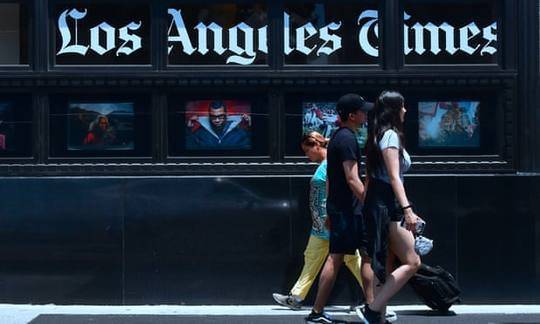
[317, 249]
[390, 218]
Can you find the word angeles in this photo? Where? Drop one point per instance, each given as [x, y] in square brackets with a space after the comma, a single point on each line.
[242, 49]
[242, 43]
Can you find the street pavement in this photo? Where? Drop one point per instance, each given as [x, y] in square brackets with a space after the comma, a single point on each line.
[168, 319]
[168, 314]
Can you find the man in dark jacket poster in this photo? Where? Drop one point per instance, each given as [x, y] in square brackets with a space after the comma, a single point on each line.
[218, 130]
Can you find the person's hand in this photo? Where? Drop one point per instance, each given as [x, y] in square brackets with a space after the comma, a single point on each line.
[246, 119]
[192, 120]
[410, 220]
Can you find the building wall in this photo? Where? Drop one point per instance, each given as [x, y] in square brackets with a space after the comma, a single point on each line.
[169, 227]
[235, 240]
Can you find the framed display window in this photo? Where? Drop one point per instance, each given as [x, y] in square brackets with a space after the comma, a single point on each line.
[15, 126]
[451, 32]
[455, 123]
[14, 33]
[233, 34]
[100, 33]
[326, 33]
[443, 123]
[226, 125]
[100, 126]
[305, 113]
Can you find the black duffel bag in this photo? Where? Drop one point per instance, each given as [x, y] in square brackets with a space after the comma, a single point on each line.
[436, 287]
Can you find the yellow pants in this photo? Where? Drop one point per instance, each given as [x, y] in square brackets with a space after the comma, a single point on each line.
[314, 258]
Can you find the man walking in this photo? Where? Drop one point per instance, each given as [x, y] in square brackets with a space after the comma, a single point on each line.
[344, 204]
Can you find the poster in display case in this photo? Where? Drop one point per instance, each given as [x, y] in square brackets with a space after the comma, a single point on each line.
[218, 125]
[101, 126]
[449, 124]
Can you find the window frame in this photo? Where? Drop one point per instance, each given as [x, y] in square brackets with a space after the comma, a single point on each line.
[30, 38]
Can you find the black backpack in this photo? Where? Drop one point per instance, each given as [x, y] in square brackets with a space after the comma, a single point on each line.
[436, 287]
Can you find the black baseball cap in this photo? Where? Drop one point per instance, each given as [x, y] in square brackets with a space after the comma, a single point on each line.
[352, 102]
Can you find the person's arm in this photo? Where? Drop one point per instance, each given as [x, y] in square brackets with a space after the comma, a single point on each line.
[327, 223]
[353, 180]
[366, 179]
[89, 139]
[391, 160]
[193, 120]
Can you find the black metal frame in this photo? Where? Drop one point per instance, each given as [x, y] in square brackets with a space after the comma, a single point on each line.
[515, 77]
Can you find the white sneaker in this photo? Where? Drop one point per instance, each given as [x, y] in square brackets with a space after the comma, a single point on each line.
[390, 316]
[288, 301]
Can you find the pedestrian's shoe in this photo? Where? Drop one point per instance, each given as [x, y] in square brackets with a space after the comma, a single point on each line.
[389, 317]
[289, 301]
[319, 318]
[368, 316]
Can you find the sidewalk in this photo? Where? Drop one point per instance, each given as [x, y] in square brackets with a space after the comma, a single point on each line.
[165, 314]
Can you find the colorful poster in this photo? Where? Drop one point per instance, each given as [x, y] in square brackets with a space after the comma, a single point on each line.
[100, 126]
[218, 125]
[448, 124]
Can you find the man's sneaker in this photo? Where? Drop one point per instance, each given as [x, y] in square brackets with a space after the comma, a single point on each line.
[289, 301]
[390, 316]
[319, 318]
[368, 316]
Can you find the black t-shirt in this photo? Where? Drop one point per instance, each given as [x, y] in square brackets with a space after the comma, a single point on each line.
[342, 147]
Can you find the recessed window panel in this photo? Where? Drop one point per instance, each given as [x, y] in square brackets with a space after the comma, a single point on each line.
[15, 126]
[453, 123]
[101, 126]
[13, 34]
[218, 126]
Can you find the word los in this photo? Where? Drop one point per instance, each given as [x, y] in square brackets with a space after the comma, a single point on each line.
[131, 42]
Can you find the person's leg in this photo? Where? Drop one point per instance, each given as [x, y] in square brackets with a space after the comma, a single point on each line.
[360, 266]
[401, 244]
[365, 267]
[314, 256]
[390, 266]
[326, 280]
[367, 278]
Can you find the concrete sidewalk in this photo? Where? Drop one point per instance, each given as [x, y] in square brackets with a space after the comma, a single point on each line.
[165, 314]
